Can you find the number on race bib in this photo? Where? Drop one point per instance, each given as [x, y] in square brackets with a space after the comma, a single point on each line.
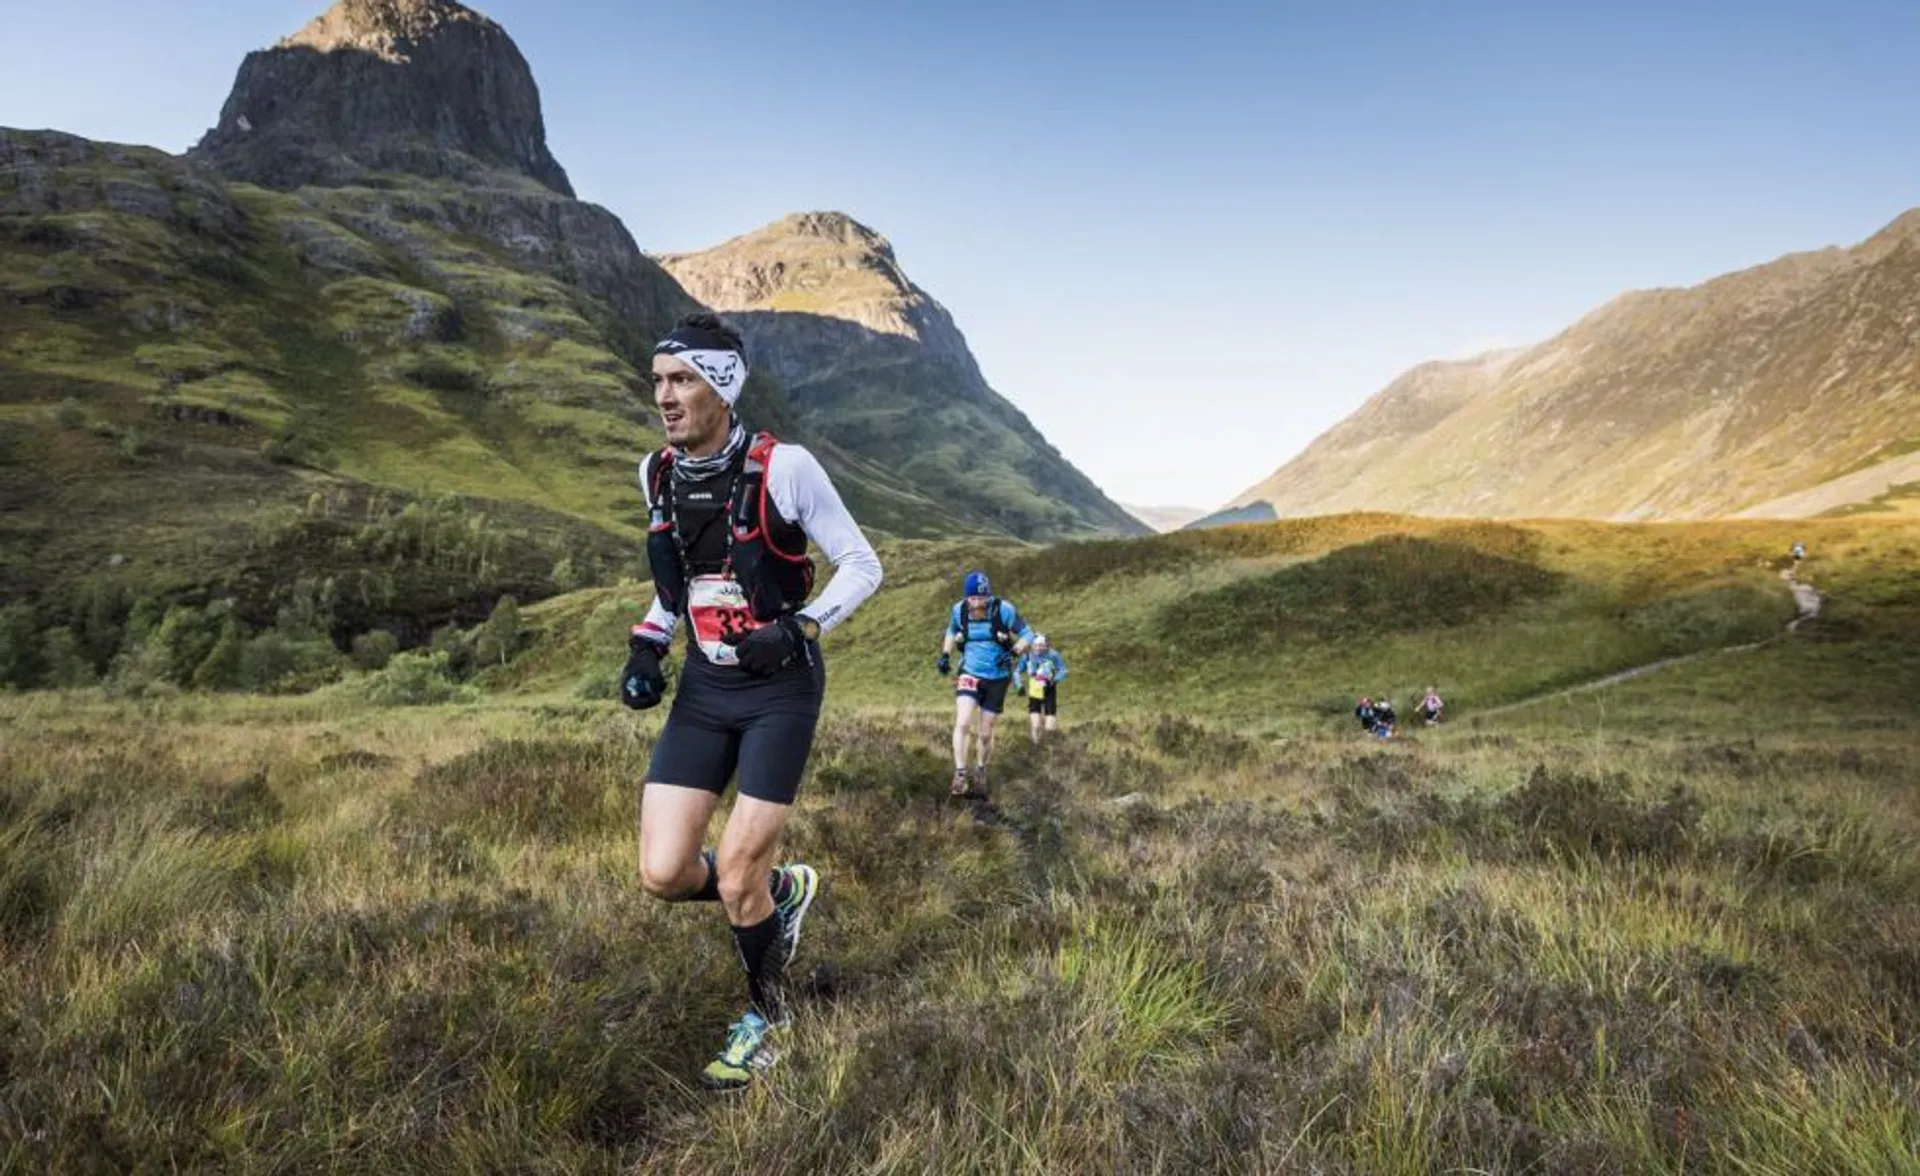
[967, 683]
[717, 609]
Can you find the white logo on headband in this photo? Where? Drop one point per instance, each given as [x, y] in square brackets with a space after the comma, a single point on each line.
[725, 370]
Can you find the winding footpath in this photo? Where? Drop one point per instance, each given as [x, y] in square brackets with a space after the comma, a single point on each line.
[1806, 599]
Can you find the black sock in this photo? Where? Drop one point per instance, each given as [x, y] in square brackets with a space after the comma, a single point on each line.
[710, 889]
[760, 955]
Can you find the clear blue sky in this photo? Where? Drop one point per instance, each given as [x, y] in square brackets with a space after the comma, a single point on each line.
[1184, 239]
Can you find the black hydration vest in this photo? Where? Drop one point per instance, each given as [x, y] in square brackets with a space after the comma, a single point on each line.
[725, 524]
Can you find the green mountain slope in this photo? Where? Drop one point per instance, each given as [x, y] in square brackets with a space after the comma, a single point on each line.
[209, 385]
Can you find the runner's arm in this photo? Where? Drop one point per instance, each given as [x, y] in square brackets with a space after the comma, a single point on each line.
[1023, 632]
[802, 492]
[660, 623]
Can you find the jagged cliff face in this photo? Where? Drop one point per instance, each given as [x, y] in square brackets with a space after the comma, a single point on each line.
[421, 120]
[874, 362]
[1778, 389]
[425, 87]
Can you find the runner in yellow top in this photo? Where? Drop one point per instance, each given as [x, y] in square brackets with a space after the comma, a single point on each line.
[1038, 676]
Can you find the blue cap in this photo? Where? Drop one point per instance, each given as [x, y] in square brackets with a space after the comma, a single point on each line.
[977, 585]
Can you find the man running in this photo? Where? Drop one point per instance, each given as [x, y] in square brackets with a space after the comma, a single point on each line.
[1364, 712]
[1038, 675]
[731, 516]
[988, 633]
[1431, 706]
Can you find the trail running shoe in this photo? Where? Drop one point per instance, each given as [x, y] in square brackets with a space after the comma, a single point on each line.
[959, 786]
[802, 883]
[980, 779]
[746, 1053]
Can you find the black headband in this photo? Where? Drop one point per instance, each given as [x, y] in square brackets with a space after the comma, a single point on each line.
[691, 338]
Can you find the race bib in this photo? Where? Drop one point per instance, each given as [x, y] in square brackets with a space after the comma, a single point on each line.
[1036, 688]
[966, 684]
[717, 610]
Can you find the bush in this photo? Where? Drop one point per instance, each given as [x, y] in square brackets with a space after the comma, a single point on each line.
[20, 660]
[66, 667]
[184, 639]
[496, 641]
[221, 668]
[290, 449]
[453, 641]
[372, 651]
[70, 415]
[415, 679]
[277, 664]
[307, 614]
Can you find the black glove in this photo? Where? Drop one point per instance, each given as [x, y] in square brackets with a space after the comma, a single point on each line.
[642, 683]
[770, 648]
[944, 664]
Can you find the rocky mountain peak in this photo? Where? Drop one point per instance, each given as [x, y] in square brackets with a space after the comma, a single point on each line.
[386, 28]
[825, 264]
[835, 227]
[424, 87]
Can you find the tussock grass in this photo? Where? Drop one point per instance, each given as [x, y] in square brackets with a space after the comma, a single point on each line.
[1665, 927]
[295, 934]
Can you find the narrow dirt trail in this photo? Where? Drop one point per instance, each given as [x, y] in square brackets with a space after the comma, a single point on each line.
[1806, 599]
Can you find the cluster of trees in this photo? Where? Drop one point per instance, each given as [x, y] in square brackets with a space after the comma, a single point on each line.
[132, 646]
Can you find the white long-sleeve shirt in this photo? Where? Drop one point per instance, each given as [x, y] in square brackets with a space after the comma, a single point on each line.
[804, 496]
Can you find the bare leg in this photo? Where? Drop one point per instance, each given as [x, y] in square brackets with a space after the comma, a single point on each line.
[745, 859]
[987, 722]
[964, 711]
[673, 821]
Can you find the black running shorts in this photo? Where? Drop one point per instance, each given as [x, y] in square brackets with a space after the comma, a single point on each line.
[1047, 705]
[990, 693]
[724, 720]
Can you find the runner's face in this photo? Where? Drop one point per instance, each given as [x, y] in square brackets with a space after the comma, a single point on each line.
[693, 414]
[977, 604]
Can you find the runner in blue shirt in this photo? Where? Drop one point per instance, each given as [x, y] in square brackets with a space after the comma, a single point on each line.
[988, 634]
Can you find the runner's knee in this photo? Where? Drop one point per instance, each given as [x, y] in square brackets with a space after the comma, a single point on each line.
[663, 877]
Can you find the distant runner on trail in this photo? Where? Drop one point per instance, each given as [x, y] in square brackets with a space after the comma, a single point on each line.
[1365, 713]
[988, 634]
[1038, 675]
[1386, 722]
[1799, 552]
[1431, 706]
[731, 518]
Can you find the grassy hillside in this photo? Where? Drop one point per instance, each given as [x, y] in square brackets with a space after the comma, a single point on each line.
[1760, 390]
[214, 392]
[1279, 628]
[1666, 928]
